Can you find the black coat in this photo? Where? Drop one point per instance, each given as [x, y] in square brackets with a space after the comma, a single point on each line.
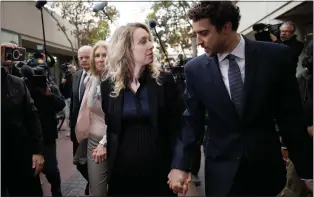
[20, 126]
[165, 108]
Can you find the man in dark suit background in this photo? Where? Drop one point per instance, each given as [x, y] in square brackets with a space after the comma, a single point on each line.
[78, 89]
[243, 86]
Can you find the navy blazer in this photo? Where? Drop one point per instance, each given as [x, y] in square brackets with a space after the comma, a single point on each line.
[271, 92]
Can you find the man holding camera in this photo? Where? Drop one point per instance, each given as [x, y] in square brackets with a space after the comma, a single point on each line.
[49, 102]
[21, 135]
[288, 38]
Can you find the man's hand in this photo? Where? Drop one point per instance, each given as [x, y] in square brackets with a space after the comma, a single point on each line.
[309, 185]
[273, 37]
[46, 92]
[63, 81]
[310, 130]
[38, 163]
[179, 180]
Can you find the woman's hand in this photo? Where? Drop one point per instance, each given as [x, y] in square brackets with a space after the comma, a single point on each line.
[99, 153]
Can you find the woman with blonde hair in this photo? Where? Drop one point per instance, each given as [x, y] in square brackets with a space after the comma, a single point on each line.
[91, 123]
[143, 111]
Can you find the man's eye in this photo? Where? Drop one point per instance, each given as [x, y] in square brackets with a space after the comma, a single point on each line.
[204, 33]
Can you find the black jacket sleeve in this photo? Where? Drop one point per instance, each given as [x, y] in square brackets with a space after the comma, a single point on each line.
[290, 117]
[56, 99]
[33, 124]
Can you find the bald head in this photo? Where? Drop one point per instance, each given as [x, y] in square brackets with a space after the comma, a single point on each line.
[84, 56]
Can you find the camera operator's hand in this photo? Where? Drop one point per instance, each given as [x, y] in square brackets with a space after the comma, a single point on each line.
[63, 81]
[8, 45]
[38, 163]
[46, 92]
[273, 37]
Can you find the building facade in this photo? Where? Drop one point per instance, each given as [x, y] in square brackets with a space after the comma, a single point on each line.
[275, 12]
[21, 23]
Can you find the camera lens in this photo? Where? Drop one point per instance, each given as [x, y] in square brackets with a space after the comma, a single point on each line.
[16, 54]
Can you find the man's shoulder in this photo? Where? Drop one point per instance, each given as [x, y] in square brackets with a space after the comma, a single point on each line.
[15, 80]
[196, 62]
[78, 72]
[270, 47]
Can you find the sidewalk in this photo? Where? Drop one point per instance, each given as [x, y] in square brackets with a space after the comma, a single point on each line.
[72, 182]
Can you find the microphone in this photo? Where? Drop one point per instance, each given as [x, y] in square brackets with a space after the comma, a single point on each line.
[100, 6]
[152, 24]
[40, 4]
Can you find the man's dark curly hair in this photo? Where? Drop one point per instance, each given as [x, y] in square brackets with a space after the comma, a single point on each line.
[218, 13]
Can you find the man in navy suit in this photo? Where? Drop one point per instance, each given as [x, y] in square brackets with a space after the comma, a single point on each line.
[244, 86]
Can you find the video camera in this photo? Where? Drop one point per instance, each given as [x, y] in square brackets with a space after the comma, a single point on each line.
[12, 54]
[65, 67]
[264, 31]
[34, 72]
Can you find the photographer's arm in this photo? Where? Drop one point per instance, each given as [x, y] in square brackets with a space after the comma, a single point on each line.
[51, 61]
[56, 99]
[33, 124]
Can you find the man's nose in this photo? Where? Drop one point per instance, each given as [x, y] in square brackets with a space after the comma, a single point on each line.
[199, 41]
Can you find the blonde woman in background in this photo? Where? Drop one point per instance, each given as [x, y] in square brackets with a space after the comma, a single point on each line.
[91, 123]
[143, 113]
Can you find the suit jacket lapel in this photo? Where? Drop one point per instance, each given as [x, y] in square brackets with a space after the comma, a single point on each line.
[251, 65]
[223, 104]
[77, 82]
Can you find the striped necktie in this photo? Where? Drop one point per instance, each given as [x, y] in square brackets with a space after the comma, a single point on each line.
[235, 84]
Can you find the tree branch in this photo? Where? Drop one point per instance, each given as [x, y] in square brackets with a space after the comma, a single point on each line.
[62, 29]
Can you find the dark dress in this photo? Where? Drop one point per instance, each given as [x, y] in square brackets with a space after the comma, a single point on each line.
[139, 166]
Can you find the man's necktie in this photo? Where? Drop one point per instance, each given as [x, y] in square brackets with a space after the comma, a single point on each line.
[235, 84]
[82, 87]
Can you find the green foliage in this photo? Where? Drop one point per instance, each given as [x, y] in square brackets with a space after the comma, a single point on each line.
[89, 26]
[173, 26]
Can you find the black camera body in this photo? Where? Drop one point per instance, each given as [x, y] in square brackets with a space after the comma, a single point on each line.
[64, 67]
[263, 31]
[35, 74]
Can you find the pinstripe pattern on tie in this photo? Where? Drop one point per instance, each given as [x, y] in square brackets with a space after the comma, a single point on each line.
[235, 84]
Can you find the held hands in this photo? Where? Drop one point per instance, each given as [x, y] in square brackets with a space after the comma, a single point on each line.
[310, 130]
[99, 153]
[38, 163]
[309, 185]
[179, 180]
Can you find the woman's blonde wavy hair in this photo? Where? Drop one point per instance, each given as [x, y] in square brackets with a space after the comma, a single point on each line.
[120, 61]
[93, 68]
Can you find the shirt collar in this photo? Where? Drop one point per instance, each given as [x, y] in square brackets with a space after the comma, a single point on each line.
[239, 51]
[84, 71]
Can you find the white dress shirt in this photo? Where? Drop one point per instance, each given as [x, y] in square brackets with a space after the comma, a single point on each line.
[81, 79]
[239, 53]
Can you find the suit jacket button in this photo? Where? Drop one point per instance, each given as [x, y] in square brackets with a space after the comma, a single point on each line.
[238, 158]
